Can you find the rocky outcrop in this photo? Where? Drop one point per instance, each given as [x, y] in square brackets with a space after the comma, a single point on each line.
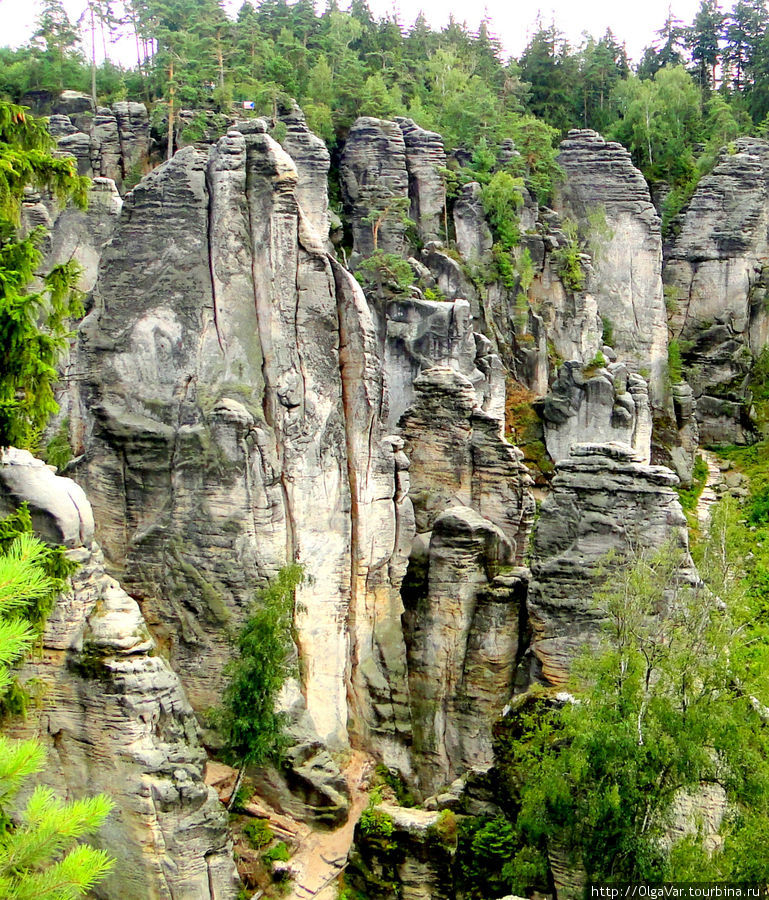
[232, 417]
[473, 512]
[425, 157]
[108, 143]
[312, 162]
[604, 192]
[421, 334]
[604, 499]
[375, 185]
[459, 458]
[605, 405]
[474, 238]
[462, 635]
[414, 861]
[715, 280]
[113, 715]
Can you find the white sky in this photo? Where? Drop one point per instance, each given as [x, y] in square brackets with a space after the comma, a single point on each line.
[513, 21]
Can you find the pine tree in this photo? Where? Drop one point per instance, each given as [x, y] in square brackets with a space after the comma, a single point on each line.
[33, 323]
[702, 40]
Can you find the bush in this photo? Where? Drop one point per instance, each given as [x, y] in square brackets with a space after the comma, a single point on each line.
[259, 833]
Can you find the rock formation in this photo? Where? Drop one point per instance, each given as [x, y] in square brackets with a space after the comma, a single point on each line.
[604, 499]
[113, 715]
[715, 280]
[375, 186]
[604, 192]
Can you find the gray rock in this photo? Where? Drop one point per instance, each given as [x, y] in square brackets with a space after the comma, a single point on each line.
[425, 157]
[604, 406]
[373, 174]
[602, 181]
[312, 161]
[604, 498]
[113, 715]
[474, 239]
[715, 280]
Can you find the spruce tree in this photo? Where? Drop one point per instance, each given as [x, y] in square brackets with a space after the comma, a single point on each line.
[33, 321]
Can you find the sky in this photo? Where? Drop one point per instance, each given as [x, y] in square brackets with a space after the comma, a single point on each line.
[513, 21]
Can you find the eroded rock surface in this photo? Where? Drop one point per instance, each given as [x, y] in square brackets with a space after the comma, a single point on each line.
[604, 499]
[375, 185]
[715, 277]
[605, 193]
[113, 715]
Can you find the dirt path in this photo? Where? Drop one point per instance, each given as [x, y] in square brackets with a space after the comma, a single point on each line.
[322, 854]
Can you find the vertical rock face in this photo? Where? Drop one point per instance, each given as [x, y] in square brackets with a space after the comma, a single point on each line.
[474, 239]
[715, 276]
[111, 143]
[421, 334]
[601, 182]
[375, 185]
[235, 401]
[609, 405]
[113, 715]
[459, 457]
[604, 498]
[312, 161]
[425, 157]
[463, 643]
[473, 513]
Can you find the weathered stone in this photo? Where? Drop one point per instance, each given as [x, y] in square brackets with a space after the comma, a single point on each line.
[459, 457]
[114, 716]
[425, 157]
[602, 181]
[375, 185]
[604, 406]
[418, 865]
[715, 279]
[474, 239]
[312, 161]
[421, 334]
[604, 498]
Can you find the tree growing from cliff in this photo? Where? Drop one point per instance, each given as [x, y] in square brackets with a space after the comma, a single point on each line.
[40, 857]
[252, 726]
[33, 320]
[676, 700]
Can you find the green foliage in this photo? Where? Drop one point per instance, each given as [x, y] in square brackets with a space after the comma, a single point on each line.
[690, 495]
[568, 259]
[675, 365]
[253, 730]
[40, 858]
[386, 272]
[493, 860]
[33, 323]
[607, 334]
[277, 853]
[666, 705]
[258, 832]
[597, 362]
[502, 198]
[376, 824]
[395, 782]
[58, 450]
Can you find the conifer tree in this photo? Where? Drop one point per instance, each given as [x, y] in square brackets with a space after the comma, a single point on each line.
[33, 322]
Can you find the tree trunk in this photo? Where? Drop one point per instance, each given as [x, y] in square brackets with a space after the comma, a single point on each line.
[219, 58]
[236, 787]
[93, 58]
[171, 93]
